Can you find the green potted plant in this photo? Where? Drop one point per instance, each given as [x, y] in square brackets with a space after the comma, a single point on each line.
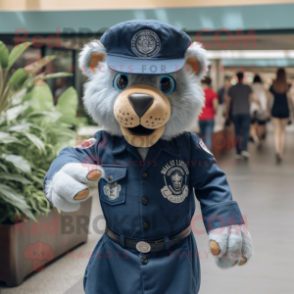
[32, 132]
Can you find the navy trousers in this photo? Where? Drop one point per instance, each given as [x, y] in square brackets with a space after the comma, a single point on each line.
[206, 128]
[242, 128]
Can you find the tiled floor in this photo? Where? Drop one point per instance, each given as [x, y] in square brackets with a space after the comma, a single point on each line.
[264, 192]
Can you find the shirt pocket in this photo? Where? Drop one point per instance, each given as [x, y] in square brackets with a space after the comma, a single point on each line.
[112, 186]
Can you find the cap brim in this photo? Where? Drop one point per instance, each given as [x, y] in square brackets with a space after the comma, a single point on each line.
[144, 66]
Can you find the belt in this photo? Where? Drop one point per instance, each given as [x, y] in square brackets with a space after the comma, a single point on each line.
[149, 246]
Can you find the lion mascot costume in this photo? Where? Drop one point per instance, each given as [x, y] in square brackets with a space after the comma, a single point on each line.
[144, 89]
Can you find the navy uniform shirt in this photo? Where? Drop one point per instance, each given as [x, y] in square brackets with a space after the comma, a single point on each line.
[152, 199]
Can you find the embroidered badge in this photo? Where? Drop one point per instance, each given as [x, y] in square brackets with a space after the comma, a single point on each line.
[112, 190]
[175, 174]
[204, 147]
[145, 43]
[87, 144]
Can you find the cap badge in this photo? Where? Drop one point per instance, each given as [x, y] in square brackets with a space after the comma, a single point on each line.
[145, 43]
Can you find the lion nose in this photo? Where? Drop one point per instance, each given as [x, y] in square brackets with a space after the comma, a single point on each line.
[140, 102]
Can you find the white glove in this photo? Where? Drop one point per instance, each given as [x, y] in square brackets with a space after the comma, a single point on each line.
[66, 190]
[230, 245]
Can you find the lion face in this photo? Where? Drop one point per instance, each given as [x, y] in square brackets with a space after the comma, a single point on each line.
[141, 107]
[142, 112]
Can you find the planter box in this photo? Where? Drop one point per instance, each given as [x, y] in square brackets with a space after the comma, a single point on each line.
[27, 247]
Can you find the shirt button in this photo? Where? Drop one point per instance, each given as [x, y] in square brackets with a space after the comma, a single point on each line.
[144, 260]
[145, 225]
[144, 175]
[110, 178]
[144, 200]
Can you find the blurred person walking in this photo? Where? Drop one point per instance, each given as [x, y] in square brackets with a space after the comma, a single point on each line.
[280, 111]
[239, 96]
[222, 94]
[259, 113]
[223, 91]
[206, 118]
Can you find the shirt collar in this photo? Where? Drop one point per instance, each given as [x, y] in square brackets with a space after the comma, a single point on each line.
[119, 145]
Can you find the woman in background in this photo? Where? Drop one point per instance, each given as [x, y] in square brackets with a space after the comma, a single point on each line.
[280, 112]
[206, 118]
[259, 113]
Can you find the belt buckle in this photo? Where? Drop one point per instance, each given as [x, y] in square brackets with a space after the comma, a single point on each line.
[143, 247]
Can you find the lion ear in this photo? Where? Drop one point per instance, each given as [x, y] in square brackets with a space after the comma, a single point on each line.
[91, 56]
[196, 60]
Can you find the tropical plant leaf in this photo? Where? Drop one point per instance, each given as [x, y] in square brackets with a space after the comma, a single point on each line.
[13, 112]
[37, 180]
[33, 205]
[42, 171]
[11, 194]
[3, 166]
[67, 105]
[18, 161]
[24, 127]
[17, 79]
[32, 120]
[6, 138]
[15, 177]
[57, 75]
[3, 55]
[35, 140]
[38, 114]
[20, 128]
[16, 200]
[42, 98]
[16, 52]
[51, 117]
[2, 118]
[37, 65]
[18, 96]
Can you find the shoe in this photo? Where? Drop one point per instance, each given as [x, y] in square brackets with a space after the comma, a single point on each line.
[278, 158]
[256, 140]
[245, 154]
[238, 157]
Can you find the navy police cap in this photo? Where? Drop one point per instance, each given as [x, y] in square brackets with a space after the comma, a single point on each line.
[145, 47]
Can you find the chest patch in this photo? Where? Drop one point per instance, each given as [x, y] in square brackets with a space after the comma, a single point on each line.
[112, 190]
[175, 174]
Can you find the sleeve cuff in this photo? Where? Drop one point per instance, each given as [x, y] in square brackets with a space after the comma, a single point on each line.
[222, 215]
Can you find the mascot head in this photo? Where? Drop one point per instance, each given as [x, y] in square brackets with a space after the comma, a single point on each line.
[144, 81]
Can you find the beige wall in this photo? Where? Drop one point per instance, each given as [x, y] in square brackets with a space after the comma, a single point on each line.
[122, 4]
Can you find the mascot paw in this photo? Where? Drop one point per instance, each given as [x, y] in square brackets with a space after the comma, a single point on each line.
[230, 245]
[67, 188]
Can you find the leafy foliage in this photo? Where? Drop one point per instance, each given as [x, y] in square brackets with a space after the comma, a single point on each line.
[32, 132]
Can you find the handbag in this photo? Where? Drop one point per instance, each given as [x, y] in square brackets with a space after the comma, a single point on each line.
[261, 115]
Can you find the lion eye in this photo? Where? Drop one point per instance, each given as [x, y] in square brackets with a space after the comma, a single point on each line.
[167, 84]
[121, 82]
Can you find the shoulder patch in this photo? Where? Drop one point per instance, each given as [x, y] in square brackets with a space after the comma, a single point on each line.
[87, 144]
[204, 147]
